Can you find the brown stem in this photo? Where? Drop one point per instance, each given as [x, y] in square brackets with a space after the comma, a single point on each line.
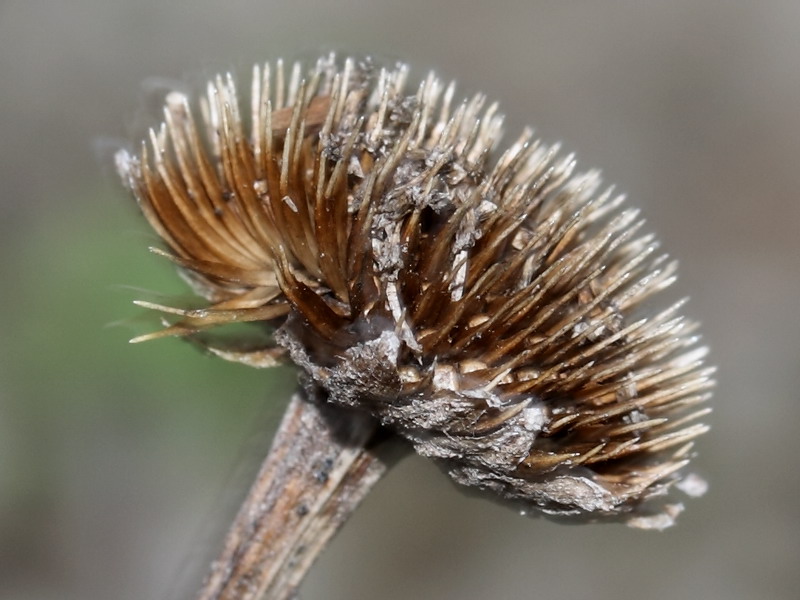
[318, 470]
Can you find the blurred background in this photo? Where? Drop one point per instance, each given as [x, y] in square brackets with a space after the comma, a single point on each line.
[121, 466]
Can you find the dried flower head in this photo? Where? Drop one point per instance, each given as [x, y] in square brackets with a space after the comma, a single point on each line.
[486, 309]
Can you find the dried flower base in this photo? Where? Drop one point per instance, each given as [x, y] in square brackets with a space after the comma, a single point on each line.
[488, 310]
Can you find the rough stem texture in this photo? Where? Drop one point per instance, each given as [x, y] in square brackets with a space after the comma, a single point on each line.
[317, 472]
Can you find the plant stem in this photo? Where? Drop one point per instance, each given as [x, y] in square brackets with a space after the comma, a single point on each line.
[321, 465]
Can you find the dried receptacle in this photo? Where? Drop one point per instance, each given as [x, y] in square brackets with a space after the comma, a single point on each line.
[499, 312]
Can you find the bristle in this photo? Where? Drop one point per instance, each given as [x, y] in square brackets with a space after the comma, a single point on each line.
[489, 310]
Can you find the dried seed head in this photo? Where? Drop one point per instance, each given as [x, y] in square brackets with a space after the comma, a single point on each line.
[486, 309]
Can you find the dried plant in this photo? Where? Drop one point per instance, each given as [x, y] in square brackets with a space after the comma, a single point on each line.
[494, 312]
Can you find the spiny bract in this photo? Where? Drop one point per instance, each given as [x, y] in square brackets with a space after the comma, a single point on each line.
[486, 309]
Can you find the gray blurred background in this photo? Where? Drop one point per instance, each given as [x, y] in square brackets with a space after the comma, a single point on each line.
[121, 465]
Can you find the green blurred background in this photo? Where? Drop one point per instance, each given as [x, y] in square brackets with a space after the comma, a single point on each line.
[121, 465]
